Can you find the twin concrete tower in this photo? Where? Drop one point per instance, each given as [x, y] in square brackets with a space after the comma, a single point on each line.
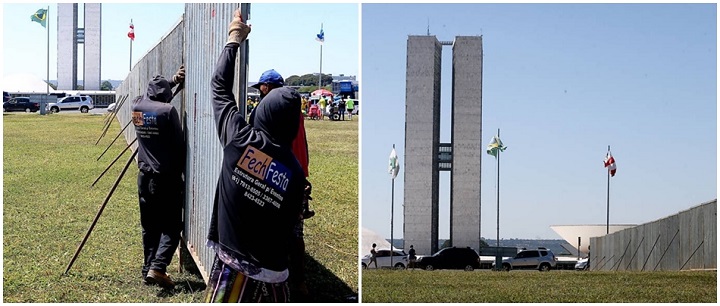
[426, 156]
[69, 36]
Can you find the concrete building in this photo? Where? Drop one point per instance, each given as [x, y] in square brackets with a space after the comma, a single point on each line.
[67, 24]
[69, 35]
[91, 45]
[425, 156]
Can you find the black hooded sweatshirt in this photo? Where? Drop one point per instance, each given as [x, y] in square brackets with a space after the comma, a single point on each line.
[260, 188]
[161, 145]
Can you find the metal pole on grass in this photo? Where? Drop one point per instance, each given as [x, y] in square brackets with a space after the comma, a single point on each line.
[102, 207]
[113, 141]
[113, 162]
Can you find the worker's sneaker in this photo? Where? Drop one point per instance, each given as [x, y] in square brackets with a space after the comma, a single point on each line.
[159, 278]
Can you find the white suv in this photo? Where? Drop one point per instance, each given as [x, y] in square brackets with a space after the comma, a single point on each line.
[399, 259]
[541, 259]
[83, 103]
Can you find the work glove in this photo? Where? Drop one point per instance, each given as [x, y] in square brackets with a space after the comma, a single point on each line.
[237, 31]
[179, 76]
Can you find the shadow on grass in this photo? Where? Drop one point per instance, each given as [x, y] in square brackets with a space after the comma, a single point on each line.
[188, 286]
[324, 286]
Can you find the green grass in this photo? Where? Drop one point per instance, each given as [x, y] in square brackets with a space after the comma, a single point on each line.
[48, 205]
[484, 286]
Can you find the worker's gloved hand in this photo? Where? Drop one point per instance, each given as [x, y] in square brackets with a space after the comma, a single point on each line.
[179, 76]
[237, 31]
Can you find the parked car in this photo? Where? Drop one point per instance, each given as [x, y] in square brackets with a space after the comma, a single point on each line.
[541, 259]
[583, 264]
[6, 96]
[399, 259]
[83, 103]
[20, 104]
[450, 258]
[111, 107]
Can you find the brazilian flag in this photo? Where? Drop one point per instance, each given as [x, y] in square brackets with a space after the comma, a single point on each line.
[40, 17]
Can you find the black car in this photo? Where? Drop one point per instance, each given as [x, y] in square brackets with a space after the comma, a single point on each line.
[21, 104]
[6, 96]
[450, 258]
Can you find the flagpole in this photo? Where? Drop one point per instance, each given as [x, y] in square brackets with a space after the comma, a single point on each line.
[131, 41]
[320, 76]
[47, 60]
[607, 225]
[498, 261]
[392, 208]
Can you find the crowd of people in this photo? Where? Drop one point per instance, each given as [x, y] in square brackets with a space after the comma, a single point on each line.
[333, 107]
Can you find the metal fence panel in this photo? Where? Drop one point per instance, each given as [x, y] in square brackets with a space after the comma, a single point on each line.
[710, 245]
[686, 240]
[205, 36]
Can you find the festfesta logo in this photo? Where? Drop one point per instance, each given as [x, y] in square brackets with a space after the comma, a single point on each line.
[262, 166]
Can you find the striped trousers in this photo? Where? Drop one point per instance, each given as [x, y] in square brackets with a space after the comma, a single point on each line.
[227, 285]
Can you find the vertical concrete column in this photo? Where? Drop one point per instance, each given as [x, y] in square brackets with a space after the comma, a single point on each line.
[466, 140]
[91, 66]
[422, 136]
[67, 14]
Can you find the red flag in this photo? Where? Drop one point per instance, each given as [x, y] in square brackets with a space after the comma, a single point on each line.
[131, 34]
[610, 163]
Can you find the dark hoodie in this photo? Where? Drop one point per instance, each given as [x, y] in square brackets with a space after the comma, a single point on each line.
[161, 146]
[260, 188]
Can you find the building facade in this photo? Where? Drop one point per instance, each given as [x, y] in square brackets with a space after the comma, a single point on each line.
[69, 36]
[425, 156]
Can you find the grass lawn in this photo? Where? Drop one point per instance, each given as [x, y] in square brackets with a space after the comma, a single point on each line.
[48, 205]
[485, 286]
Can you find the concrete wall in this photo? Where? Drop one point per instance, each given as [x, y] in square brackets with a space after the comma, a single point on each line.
[93, 26]
[466, 141]
[685, 241]
[196, 41]
[66, 47]
[422, 136]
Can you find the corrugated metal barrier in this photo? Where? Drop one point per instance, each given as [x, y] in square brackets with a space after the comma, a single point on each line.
[685, 241]
[196, 41]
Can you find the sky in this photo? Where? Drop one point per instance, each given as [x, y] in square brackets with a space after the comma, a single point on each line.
[277, 39]
[561, 82]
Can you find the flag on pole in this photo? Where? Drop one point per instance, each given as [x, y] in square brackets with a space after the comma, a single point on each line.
[131, 34]
[394, 167]
[610, 163]
[40, 17]
[320, 37]
[495, 146]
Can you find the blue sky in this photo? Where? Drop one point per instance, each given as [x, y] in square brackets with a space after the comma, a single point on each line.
[283, 37]
[561, 82]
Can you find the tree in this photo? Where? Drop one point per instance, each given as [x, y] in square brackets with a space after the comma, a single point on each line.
[80, 87]
[483, 244]
[106, 86]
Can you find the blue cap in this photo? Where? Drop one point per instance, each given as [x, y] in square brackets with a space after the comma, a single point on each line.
[270, 77]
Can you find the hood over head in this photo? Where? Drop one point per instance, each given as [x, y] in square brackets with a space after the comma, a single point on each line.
[159, 89]
[279, 114]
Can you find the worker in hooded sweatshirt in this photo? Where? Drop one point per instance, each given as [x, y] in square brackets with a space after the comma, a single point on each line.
[161, 162]
[259, 193]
